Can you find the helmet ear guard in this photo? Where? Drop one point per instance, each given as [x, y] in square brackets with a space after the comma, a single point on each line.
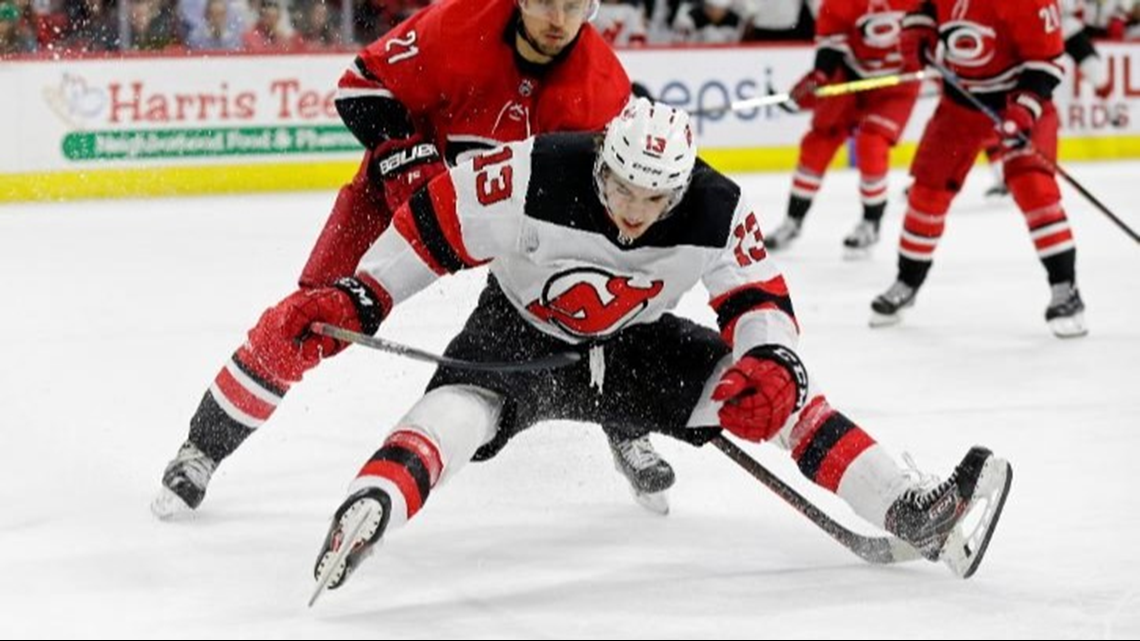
[649, 145]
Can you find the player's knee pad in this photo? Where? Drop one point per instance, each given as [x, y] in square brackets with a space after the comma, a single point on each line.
[1032, 190]
[818, 147]
[457, 419]
[929, 200]
[872, 151]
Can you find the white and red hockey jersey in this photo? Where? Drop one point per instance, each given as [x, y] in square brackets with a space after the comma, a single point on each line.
[530, 210]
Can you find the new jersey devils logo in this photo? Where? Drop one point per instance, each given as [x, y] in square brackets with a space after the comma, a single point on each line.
[591, 302]
[969, 44]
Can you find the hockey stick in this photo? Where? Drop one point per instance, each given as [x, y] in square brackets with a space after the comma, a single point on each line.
[952, 80]
[826, 91]
[553, 361]
[872, 549]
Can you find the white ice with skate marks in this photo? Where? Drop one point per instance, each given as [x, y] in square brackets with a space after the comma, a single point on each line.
[119, 314]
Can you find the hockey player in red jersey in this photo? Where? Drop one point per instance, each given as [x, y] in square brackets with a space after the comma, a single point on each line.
[591, 241]
[526, 67]
[854, 39]
[1005, 54]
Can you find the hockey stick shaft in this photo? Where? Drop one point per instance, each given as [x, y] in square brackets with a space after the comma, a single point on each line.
[873, 549]
[952, 80]
[553, 361]
[826, 91]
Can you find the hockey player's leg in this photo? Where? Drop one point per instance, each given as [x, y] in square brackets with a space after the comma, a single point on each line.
[922, 228]
[432, 443]
[649, 475]
[241, 398]
[872, 151]
[1037, 195]
[950, 521]
[817, 149]
[945, 155]
[247, 390]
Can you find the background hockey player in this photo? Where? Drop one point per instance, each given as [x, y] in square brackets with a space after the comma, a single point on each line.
[1005, 55]
[525, 68]
[590, 242]
[1090, 68]
[854, 39]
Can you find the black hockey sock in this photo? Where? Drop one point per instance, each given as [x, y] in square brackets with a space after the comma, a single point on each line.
[913, 272]
[215, 432]
[1061, 267]
[874, 213]
[798, 207]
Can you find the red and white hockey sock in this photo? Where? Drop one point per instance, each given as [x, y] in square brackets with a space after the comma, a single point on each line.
[1039, 198]
[240, 399]
[838, 455]
[407, 467]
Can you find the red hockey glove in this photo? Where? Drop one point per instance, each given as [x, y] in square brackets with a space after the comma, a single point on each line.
[1021, 112]
[761, 391]
[282, 341]
[405, 165]
[803, 93]
[1115, 28]
[916, 44]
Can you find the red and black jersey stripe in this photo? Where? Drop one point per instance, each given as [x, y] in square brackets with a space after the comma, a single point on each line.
[770, 294]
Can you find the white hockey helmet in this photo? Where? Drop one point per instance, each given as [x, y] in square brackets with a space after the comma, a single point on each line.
[649, 145]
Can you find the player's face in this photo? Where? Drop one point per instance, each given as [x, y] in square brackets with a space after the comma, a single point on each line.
[633, 209]
[552, 24]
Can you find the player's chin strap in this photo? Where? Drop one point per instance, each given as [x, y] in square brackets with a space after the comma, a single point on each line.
[554, 361]
[952, 80]
[872, 549]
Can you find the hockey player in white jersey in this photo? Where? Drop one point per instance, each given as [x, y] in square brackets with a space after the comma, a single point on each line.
[591, 242]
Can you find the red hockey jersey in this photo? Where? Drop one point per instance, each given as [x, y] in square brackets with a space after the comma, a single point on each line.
[452, 66]
[864, 32]
[991, 45]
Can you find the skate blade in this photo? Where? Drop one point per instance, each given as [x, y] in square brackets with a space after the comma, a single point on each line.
[884, 320]
[858, 253]
[656, 502]
[169, 506]
[967, 544]
[1069, 326]
[370, 512]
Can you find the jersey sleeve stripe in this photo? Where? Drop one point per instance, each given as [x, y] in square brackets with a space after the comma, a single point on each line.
[736, 302]
[431, 233]
[405, 224]
[444, 201]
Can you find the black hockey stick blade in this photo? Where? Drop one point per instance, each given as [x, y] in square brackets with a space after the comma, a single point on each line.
[554, 361]
[872, 549]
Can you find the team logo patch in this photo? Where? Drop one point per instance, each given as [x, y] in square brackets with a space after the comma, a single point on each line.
[969, 44]
[881, 30]
[590, 302]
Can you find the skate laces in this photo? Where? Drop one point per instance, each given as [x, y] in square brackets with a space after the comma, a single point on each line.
[1061, 293]
[898, 292]
[638, 453]
[194, 465]
[926, 488]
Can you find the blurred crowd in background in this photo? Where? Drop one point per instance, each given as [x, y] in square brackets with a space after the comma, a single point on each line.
[66, 27]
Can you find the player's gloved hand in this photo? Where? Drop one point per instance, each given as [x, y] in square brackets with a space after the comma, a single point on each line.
[760, 392]
[803, 92]
[916, 44]
[1115, 28]
[1021, 112]
[282, 340]
[404, 165]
